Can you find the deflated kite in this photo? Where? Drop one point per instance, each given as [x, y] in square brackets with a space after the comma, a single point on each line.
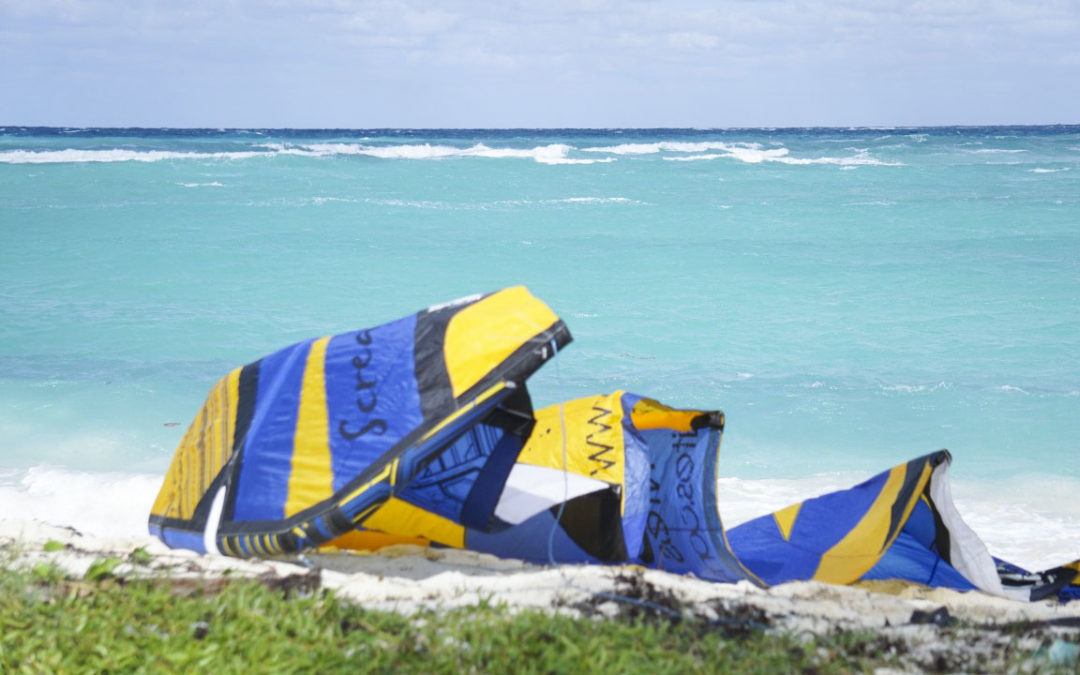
[900, 524]
[421, 431]
[418, 422]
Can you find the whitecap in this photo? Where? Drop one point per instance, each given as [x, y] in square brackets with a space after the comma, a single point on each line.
[594, 200]
[555, 153]
[416, 204]
[904, 388]
[74, 156]
[694, 158]
[319, 201]
[653, 148]
[195, 185]
[753, 153]
[914, 388]
[1010, 388]
[1040, 170]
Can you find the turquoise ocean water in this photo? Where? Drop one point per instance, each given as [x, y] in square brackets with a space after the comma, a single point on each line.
[852, 298]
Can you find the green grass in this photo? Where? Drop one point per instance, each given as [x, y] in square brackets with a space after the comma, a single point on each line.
[51, 623]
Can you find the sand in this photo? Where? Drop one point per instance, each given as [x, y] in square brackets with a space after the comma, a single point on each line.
[932, 627]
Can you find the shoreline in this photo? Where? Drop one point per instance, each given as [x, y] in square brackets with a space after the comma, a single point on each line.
[408, 580]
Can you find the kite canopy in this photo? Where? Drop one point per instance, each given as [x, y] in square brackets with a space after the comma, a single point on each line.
[639, 487]
[900, 524]
[421, 431]
[417, 421]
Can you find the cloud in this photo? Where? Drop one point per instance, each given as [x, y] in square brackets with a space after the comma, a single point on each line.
[529, 31]
[603, 52]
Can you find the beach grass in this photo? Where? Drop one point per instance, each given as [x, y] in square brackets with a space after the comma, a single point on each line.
[50, 622]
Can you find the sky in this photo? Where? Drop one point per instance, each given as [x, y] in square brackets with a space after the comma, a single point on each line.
[538, 63]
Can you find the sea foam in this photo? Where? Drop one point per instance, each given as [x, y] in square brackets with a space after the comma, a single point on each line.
[100, 503]
[554, 153]
[750, 153]
[76, 156]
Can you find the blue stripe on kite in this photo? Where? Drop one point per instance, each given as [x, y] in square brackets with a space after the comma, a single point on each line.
[266, 463]
[909, 559]
[450, 465]
[635, 480]
[759, 545]
[529, 541]
[181, 539]
[371, 395]
[684, 532]
[479, 506]
[824, 521]
[821, 523]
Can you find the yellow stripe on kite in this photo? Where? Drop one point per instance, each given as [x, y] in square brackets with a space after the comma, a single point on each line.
[594, 444]
[785, 519]
[863, 546]
[366, 540]
[401, 518]
[482, 335]
[650, 414]
[383, 475]
[312, 477]
[202, 452]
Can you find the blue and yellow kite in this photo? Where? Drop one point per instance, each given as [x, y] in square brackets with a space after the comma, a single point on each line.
[422, 431]
[417, 422]
[899, 524]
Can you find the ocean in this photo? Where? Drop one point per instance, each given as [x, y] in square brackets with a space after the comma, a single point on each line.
[851, 298]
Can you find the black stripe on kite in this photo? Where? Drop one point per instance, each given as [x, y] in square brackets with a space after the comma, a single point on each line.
[429, 363]
[247, 393]
[912, 473]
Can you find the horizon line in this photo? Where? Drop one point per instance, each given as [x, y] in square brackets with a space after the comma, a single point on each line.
[843, 127]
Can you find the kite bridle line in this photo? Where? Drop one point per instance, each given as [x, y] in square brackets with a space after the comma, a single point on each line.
[606, 595]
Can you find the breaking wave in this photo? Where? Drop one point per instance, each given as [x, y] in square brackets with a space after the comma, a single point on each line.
[750, 153]
[551, 154]
[555, 153]
[64, 497]
[74, 156]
